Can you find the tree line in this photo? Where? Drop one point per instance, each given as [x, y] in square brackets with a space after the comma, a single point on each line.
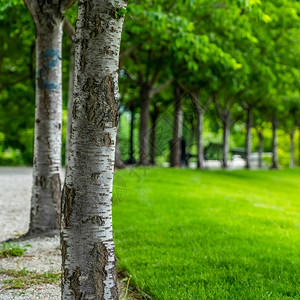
[239, 57]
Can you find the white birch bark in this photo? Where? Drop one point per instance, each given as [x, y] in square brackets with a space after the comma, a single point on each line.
[226, 133]
[46, 190]
[175, 155]
[88, 259]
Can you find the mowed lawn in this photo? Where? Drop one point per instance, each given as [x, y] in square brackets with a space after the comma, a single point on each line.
[189, 234]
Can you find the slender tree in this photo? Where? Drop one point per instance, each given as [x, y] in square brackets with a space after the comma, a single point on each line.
[274, 164]
[46, 190]
[175, 155]
[200, 109]
[88, 259]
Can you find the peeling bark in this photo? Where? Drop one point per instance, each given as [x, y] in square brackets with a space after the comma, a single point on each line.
[46, 190]
[88, 259]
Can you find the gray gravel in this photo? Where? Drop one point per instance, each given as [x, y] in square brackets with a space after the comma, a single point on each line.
[44, 253]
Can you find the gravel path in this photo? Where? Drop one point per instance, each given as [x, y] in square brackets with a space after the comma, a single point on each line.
[44, 254]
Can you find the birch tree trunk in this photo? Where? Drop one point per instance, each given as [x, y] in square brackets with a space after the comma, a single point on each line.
[200, 150]
[46, 189]
[260, 148]
[144, 124]
[226, 132]
[274, 164]
[154, 117]
[175, 156]
[131, 150]
[88, 258]
[248, 138]
[292, 159]
[118, 158]
[190, 143]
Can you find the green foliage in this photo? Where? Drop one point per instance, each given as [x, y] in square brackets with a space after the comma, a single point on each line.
[11, 249]
[189, 234]
[119, 12]
[23, 279]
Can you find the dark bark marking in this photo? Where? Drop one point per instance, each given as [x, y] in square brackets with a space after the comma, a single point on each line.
[107, 139]
[98, 29]
[75, 284]
[45, 102]
[111, 99]
[64, 247]
[87, 9]
[43, 182]
[47, 141]
[74, 112]
[84, 43]
[68, 198]
[99, 273]
[50, 160]
[56, 188]
[93, 103]
[95, 175]
[97, 220]
[101, 105]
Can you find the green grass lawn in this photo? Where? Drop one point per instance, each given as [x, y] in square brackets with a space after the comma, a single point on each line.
[189, 234]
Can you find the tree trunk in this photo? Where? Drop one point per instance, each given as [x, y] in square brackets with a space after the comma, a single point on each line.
[70, 100]
[248, 138]
[274, 164]
[154, 117]
[226, 132]
[260, 149]
[292, 159]
[190, 143]
[175, 155]
[46, 189]
[88, 258]
[200, 150]
[131, 159]
[144, 124]
[118, 159]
